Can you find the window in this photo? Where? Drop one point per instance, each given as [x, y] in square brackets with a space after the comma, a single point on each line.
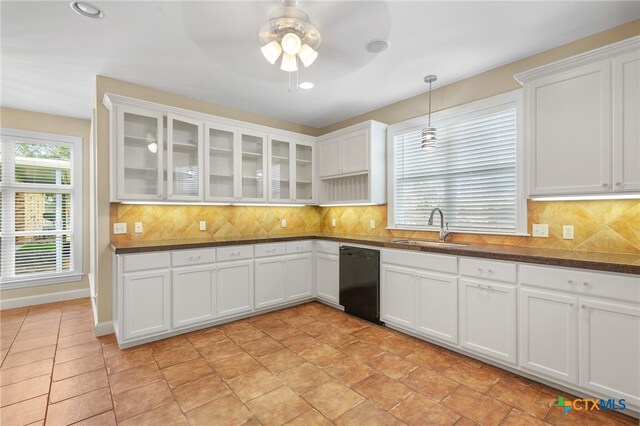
[40, 227]
[473, 175]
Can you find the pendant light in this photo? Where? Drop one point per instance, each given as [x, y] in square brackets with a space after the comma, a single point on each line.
[429, 133]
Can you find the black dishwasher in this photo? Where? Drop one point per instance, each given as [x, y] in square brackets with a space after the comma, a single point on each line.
[360, 282]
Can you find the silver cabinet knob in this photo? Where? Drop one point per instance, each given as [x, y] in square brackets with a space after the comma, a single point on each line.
[618, 183]
[586, 284]
[605, 185]
[584, 306]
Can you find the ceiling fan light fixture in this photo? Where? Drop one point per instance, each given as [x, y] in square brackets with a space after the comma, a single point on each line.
[307, 55]
[291, 43]
[289, 63]
[271, 51]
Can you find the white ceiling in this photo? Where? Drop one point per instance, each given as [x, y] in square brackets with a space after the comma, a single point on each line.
[210, 50]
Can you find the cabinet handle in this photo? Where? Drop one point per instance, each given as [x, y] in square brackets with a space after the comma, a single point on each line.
[586, 284]
[490, 271]
[480, 270]
[584, 306]
[572, 282]
[605, 185]
[572, 305]
[618, 183]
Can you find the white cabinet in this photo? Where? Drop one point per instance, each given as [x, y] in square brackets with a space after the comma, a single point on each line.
[571, 109]
[397, 295]
[626, 125]
[352, 165]
[235, 287]
[184, 158]
[610, 349]
[488, 319]
[327, 277]
[299, 278]
[549, 334]
[269, 281]
[437, 306]
[290, 171]
[194, 295]
[221, 163]
[253, 166]
[146, 302]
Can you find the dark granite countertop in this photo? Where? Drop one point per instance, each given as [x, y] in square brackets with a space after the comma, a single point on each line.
[610, 262]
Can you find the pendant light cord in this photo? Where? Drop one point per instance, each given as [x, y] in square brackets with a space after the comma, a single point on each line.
[429, 125]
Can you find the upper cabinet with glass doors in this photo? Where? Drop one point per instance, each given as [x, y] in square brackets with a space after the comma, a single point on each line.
[184, 158]
[290, 172]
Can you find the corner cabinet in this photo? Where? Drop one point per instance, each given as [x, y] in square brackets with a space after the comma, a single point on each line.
[352, 164]
[581, 128]
[161, 153]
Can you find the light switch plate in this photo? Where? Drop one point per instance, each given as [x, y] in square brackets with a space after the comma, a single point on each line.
[119, 228]
[203, 225]
[372, 224]
[284, 223]
[138, 227]
[540, 230]
[567, 232]
[334, 222]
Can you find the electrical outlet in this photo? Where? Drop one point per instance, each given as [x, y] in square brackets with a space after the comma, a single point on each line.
[283, 223]
[119, 228]
[541, 231]
[372, 224]
[567, 232]
[138, 227]
[203, 225]
[334, 222]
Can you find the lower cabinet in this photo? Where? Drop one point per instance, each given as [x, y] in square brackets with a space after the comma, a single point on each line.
[437, 306]
[610, 349]
[235, 287]
[327, 277]
[270, 281]
[397, 296]
[299, 276]
[194, 295]
[146, 303]
[488, 319]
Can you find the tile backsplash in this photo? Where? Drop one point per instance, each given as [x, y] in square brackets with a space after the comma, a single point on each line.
[599, 226]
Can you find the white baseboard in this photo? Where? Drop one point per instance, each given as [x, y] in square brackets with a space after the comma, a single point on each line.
[103, 328]
[19, 302]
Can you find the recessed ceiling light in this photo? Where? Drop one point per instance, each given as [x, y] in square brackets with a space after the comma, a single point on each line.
[377, 45]
[306, 85]
[87, 9]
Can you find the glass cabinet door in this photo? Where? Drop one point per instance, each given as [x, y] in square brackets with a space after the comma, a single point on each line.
[280, 171]
[184, 138]
[221, 180]
[140, 140]
[253, 163]
[304, 173]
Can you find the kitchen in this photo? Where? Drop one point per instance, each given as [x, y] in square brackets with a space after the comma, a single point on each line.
[205, 243]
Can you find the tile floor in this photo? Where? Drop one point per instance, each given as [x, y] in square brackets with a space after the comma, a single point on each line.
[307, 365]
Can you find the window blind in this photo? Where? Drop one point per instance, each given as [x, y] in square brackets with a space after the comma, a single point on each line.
[471, 175]
[37, 229]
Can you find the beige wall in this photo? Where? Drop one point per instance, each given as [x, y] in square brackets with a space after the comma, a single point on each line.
[37, 122]
[493, 82]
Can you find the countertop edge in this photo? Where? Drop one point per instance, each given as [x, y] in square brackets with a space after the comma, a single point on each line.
[470, 251]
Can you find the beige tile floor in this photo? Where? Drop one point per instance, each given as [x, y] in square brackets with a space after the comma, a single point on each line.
[307, 365]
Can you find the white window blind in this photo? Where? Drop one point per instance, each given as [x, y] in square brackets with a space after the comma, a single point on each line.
[40, 199]
[471, 175]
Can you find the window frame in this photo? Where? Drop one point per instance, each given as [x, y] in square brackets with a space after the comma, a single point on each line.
[9, 189]
[448, 115]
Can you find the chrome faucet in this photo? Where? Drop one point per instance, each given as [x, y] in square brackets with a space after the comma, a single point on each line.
[443, 233]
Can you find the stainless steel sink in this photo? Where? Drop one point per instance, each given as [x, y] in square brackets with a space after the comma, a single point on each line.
[427, 243]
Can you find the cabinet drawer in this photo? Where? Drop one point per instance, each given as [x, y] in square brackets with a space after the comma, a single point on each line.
[412, 259]
[488, 269]
[234, 253]
[146, 261]
[275, 249]
[299, 246]
[193, 257]
[329, 247]
[614, 286]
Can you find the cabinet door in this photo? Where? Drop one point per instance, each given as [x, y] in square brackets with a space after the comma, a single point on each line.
[235, 287]
[146, 303]
[304, 173]
[397, 295]
[140, 154]
[569, 135]
[549, 334]
[253, 167]
[221, 177]
[626, 125]
[299, 279]
[327, 276]
[270, 281]
[437, 306]
[610, 349]
[184, 158]
[329, 158]
[280, 176]
[355, 152]
[194, 295]
[488, 319]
